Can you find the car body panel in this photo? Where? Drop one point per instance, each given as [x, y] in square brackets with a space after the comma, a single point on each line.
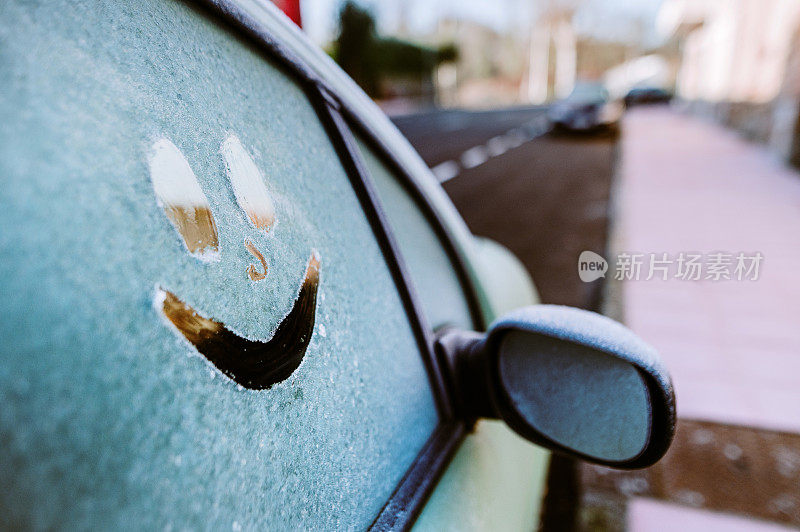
[496, 480]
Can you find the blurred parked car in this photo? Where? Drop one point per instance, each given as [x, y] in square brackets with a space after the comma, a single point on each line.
[588, 108]
[647, 95]
[234, 297]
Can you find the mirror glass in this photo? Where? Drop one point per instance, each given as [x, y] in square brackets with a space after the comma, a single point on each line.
[579, 397]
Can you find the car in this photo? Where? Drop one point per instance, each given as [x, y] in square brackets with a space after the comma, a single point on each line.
[587, 109]
[647, 96]
[236, 298]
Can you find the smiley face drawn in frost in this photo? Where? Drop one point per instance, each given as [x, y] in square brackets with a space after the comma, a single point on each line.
[252, 363]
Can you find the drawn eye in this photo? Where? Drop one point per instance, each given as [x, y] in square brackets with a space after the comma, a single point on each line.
[182, 199]
[248, 184]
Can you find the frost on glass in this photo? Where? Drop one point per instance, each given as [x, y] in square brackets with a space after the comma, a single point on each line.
[252, 271]
[434, 276]
[110, 418]
[182, 199]
[248, 184]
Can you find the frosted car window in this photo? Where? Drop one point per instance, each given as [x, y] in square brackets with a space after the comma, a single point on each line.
[438, 287]
[142, 148]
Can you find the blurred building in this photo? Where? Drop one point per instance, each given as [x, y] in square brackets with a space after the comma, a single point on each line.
[489, 68]
[553, 58]
[740, 62]
[532, 61]
[499, 69]
[596, 57]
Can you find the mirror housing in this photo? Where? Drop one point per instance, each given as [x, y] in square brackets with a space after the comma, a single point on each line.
[570, 380]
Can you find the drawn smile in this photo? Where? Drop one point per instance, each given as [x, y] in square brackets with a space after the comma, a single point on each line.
[251, 363]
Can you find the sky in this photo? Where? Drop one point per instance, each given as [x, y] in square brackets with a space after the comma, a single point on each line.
[624, 20]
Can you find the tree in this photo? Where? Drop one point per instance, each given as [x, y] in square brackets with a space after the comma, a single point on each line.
[354, 46]
[370, 59]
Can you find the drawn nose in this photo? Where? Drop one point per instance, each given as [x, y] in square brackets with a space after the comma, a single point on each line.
[252, 272]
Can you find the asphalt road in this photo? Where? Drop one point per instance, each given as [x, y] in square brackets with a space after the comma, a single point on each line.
[546, 199]
[444, 135]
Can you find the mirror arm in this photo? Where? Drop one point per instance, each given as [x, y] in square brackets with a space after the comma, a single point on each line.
[463, 355]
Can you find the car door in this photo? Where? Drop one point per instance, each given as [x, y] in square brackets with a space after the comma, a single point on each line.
[175, 199]
[496, 479]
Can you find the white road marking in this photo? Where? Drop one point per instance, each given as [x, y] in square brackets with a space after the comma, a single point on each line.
[515, 137]
[446, 171]
[477, 155]
[497, 146]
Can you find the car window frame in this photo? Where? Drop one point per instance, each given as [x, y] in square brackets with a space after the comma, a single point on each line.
[431, 215]
[406, 502]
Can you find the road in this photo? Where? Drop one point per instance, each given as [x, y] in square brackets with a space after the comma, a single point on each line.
[445, 135]
[543, 197]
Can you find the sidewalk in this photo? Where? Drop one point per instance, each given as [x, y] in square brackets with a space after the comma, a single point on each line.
[733, 347]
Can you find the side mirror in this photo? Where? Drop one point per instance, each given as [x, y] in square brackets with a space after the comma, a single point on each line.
[567, 379]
